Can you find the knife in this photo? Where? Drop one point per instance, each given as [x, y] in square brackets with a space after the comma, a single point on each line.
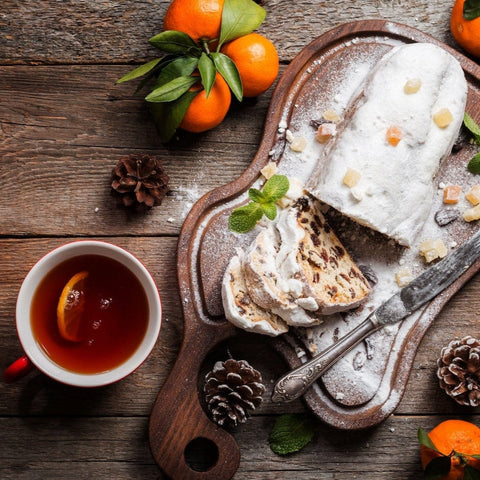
[411, 297]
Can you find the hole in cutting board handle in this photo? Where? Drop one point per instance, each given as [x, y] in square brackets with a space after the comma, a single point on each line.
[201, 454]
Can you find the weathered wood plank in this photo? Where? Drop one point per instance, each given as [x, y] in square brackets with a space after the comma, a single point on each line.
[117, 32]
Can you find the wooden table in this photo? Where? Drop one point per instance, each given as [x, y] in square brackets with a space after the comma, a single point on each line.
[64, 123]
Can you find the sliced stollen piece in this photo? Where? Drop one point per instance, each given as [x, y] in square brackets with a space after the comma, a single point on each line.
[379, 169]
[266, 286]
[240, 309]
[312, 255]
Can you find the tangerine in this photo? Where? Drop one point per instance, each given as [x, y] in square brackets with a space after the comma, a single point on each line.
[201, 19]
[465, 32]
[453, 435]
[205, 112]
[256, 59]
[71, 307]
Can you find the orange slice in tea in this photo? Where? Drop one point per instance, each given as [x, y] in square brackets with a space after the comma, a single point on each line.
[71, 307]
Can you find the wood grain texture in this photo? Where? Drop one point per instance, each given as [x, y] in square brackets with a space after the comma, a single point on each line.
[63, 125]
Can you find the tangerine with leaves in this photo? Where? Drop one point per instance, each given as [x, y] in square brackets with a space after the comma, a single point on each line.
[456, 443]
[201, 19]
[206, 112]
[257, 62]
[465, 25]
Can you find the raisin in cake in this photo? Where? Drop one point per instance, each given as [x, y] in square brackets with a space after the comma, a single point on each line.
[240, 309]
[379, 169]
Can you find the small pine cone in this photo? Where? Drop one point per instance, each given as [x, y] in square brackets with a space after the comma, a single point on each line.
[459, 370]
[139, 181]
[231, 388]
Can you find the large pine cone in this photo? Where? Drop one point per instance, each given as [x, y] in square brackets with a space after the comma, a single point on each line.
[459, 371]
[139, 181]
[231, 388]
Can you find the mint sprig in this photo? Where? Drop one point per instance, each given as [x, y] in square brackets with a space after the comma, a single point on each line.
[474, 163]
[471, 9]
[181, 56]
[291, 433]
[244, 218]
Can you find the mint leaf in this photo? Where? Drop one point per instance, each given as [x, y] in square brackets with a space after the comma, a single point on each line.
[438, 468]
[239, 18]
[139, 71]
[471, 9]
[256, 195]
[168, 116]
[471, 473]
[424, 439]
[474, 164]
[228, 70]
[207, 72]
[291, 433]
[244, 218]
[171, 90]
[276, 187]
[472, 126]
[179, 67]
[270, 210]
[172, 41]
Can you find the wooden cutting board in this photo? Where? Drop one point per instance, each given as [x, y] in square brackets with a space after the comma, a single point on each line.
[320, 75]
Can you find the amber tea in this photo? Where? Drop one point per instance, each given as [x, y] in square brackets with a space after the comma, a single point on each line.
[114, 319]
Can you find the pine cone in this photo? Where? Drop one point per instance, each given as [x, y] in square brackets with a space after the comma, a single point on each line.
[459, 370]
[231, 388]
[139, 181]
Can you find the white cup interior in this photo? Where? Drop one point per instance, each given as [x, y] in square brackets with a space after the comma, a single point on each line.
[36, 354]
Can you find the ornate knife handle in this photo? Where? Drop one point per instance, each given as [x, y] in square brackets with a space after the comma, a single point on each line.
[295, 383]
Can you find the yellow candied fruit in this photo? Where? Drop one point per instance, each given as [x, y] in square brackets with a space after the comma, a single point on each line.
[269, 170]
[351, 178]
[472, 214]
[433, 249]
[393, 135]
[298, 144]
[403, 277]
[473, 196]
[325, 132]
[443, 118]
[451, 194]
[412, 86]
[331, 115]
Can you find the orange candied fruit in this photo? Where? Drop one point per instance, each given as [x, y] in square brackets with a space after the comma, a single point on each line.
[393, 135]
[451, 194]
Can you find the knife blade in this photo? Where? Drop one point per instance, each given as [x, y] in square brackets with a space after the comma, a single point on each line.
[410, 298]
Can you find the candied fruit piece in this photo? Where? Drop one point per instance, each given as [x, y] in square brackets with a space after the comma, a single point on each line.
[269, 170]
[472, 214]
[451, 194]
[433, 249]
[412, 86]
[351, 178]
[473, 196]
[331, 115]
[393, 135]
[325, 132]
[298, 144]
[403, 277]
[443, 118]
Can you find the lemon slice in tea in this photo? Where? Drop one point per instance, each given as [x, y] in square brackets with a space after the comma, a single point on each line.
[71, 307]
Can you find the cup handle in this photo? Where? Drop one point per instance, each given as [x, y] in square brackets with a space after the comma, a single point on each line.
[17, 369]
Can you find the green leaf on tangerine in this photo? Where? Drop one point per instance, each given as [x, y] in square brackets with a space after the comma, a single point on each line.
[139, 71]
[471, 473]
[474, 164]
[180, 67]
[207, 71]
[171, 90]
[425, 440]
[270, 210]
[239, 18]
[172, 41]
[244, 218]
[471, 9]
[228, 70]
[168, 116]
[291, 433]
[276, 187]
[438, 467]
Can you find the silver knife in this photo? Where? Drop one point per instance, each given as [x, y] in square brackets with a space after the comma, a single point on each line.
[411, 297]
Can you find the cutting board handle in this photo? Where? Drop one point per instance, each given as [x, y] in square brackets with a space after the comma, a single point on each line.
[178, 423]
